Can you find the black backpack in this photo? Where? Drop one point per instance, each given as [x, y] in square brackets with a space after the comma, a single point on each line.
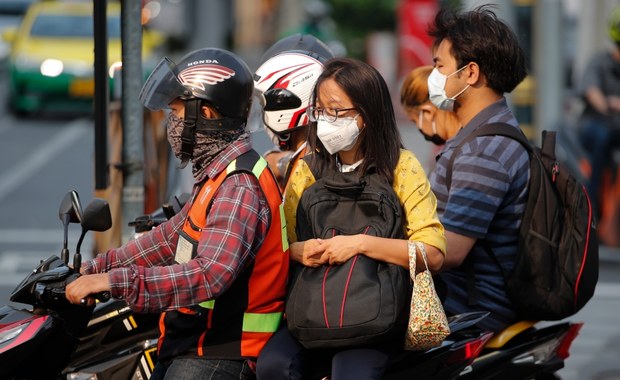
[556, 270]
[363, 301]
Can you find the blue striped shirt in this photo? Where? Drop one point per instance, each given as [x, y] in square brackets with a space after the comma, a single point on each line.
[486, 201]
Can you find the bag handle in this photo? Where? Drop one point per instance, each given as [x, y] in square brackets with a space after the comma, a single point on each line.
[413, 248]
[346, 188]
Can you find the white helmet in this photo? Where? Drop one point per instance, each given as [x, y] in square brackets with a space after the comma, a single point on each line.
[286, 81]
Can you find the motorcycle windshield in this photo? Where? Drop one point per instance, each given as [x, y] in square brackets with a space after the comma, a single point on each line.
[161, 87]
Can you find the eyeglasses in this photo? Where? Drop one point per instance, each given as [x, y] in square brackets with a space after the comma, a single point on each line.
[328, 114]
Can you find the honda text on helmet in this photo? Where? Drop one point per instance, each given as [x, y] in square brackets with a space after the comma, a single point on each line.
[209, 76]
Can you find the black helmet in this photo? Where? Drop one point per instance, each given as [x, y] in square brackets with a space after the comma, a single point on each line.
[217, 76]
[306, 43]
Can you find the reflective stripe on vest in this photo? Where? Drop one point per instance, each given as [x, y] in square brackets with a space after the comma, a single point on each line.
[261, 322]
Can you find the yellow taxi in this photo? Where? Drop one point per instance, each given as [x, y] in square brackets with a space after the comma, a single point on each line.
[51, 62]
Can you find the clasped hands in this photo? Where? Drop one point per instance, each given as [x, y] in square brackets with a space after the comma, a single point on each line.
[332, 251]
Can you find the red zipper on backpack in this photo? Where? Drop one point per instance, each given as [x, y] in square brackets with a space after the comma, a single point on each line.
[555, 170]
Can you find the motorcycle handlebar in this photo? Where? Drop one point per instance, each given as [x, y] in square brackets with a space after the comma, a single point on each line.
[101, 297]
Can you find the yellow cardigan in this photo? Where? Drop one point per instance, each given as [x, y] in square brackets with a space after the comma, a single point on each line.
[411, 186]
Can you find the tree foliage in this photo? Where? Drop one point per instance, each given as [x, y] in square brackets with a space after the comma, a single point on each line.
[355, 19]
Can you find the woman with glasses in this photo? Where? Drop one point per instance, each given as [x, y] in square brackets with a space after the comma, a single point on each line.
[352, 127]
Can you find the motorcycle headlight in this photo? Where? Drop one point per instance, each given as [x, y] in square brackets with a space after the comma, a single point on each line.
[11, 333]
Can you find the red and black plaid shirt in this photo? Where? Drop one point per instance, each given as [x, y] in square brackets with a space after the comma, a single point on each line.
[143, 271]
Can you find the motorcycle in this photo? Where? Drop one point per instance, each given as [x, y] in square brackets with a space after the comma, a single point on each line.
[449, 359]
[525, 350]
[108, 341]
[57, 340]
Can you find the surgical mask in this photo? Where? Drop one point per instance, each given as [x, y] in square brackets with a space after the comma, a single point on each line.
[437, 90]
[338, 135]
[434, 138]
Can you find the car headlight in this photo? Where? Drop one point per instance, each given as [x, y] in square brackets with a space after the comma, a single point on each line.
[52, 68]
[11, 333]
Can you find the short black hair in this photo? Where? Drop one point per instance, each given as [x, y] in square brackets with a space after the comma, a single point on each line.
[479, 36]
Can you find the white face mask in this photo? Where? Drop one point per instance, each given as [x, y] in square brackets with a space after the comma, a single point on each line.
[338, 135]
[437, 90]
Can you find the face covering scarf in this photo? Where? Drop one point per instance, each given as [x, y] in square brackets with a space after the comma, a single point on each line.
[208, 144]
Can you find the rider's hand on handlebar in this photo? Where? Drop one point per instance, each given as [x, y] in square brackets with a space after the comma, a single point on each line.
[86, 286]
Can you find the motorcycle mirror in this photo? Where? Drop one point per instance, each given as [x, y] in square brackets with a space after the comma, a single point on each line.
[95, 217]
[70, 211]
[70, 208]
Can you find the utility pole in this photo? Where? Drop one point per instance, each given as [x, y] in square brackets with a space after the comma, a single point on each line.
[548, 64]
[100, 101]
[132, 115]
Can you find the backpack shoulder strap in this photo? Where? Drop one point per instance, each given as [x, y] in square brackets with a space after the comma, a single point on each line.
[492, 129]
[313, 164]
[547, 148]
[249, 162]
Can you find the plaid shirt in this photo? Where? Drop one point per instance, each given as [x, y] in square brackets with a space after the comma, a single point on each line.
[143, 271]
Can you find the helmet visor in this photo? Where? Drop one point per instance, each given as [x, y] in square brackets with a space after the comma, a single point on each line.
[161, 87]
[278, 99]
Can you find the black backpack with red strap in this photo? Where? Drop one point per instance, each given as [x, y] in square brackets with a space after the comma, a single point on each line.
[556, 270]
[362, 302]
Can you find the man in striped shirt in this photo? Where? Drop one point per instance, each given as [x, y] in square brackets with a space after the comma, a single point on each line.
[477, 60]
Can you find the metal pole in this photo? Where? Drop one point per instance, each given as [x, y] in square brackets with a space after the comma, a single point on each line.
[548, 64]
[100, 101]
[211, 18]
[132, 115]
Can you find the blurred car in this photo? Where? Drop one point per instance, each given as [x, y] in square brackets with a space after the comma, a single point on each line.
[51, 63]
[11, 14]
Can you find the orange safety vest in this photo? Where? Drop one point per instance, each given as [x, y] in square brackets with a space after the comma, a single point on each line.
[239, 322]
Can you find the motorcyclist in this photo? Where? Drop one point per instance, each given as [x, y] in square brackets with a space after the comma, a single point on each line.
[600, 121]
[217, 269]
